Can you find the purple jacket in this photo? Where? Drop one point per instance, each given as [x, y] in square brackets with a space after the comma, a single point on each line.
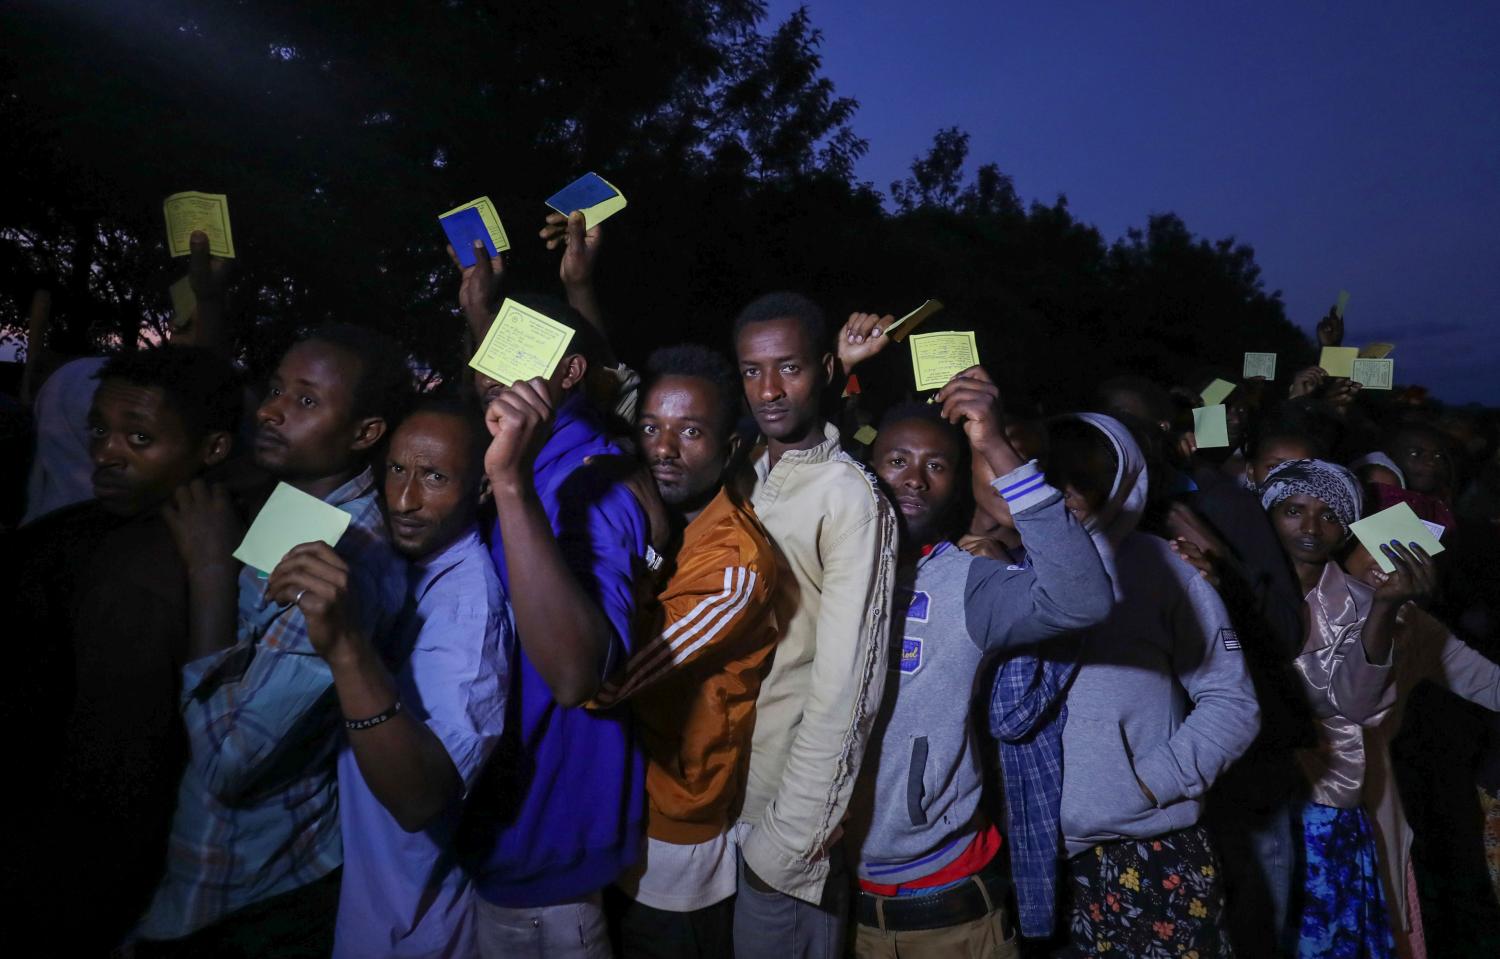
[561, 810]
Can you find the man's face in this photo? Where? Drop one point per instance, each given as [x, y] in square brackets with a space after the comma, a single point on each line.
[1308, 529]
[1424, 460]
[1085, 472]
[784, 372]
[306, 427]
[141, 448]
[432, 478]
[684, 439]
[917, 463]
[1277, 450]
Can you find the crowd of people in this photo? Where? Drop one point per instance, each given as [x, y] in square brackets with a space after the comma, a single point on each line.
[669, 663]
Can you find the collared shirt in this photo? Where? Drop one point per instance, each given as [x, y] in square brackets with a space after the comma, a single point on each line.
[257, 811]
[403, 893]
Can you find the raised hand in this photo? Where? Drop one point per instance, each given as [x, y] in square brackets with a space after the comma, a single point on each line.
[519, 419]
[1414, 578]
[315, 579]
[862, 336]
[972, 399]
[1307, 382]
[205, 526]
[479, 287]
[580, 247]
[1190, 553]
[1331, 329]
[207, 274]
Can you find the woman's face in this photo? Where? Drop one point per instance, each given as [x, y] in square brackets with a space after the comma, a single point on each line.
[1310, 531]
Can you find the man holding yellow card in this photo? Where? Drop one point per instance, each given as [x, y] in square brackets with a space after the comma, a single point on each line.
[567, 541]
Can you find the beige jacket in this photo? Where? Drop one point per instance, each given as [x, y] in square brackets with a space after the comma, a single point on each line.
[837, 534]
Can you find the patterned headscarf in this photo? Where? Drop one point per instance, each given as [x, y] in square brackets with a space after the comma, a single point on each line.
[1335, 486]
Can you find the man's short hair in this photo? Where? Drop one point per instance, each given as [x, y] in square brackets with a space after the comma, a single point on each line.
[200, 386]
[462, 405]
[926, 413]
[786, 305]
[700, 362]
[587, 340]
[384, 385]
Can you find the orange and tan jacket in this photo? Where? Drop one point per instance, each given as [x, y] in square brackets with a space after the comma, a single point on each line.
[693, 685]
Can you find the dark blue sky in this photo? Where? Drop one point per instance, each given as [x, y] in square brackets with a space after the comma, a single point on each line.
[1355, 146]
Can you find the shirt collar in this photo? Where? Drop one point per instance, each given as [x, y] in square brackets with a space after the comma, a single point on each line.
[821, 453]
[429, 569]
[361, 485]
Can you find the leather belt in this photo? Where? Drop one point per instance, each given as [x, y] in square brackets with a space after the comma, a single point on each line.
[975, 898]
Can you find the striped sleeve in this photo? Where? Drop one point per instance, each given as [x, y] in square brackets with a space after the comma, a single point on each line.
[700, 617]
[1024, 487]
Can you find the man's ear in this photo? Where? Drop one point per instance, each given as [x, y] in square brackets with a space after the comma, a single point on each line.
[827, 368]
[573, 369]
[371, 429]
[484, 490]
[732, 448]
[216, 447]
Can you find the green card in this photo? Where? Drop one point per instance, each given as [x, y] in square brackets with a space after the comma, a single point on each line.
[1338, 360]
[1260, 364]
[1374, 374]
[1217, 392]
[908, 324]
[189, 212]
[1211, 427]
[289, 518]
[184, 302]
[522, 344]
[865, 434]
[1342, 303]
[1397, 523]
[936, 357]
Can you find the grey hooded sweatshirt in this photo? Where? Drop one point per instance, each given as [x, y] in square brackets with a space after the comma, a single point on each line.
[914, 811]
[1162, 698]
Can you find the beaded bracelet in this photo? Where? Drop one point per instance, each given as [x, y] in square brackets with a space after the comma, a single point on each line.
[375, 720]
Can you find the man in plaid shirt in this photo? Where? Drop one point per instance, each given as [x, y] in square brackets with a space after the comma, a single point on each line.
[255, 843]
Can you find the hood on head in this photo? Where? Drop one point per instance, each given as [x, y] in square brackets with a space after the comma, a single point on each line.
[1127, 496]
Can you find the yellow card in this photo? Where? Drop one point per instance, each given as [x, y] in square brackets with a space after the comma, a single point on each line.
[1342, 303]
[209, 212]
[865, 434]
[491, 220]
[1374, 374]
[184, 302]
[1260, 364]
[1397, 523]
[936, 357]
[289, 518]
[1338, 360]
[1376, 351]
[1211, 426]
[908, 324]
[1217, 392]
[522, 344]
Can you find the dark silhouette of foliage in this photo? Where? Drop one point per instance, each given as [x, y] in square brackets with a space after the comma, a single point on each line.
[340, 131]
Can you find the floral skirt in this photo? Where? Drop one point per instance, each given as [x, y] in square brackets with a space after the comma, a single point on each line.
[1344, 913]
[1157, 898]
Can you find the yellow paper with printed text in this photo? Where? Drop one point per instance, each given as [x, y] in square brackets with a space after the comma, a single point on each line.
[189, 212]
[936, 357]
[522, 344]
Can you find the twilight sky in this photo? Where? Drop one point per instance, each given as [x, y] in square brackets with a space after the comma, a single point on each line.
[1355, 146]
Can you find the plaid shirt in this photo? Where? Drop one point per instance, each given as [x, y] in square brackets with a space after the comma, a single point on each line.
[257, 811]
[1026, 718]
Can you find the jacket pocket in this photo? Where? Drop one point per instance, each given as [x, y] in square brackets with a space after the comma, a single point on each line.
[915, 774]
[1101, 795]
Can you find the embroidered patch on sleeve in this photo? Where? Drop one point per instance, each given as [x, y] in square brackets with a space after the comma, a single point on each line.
[911, 654]
[1229, 638]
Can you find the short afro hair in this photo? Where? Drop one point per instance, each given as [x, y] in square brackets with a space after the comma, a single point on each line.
[384, 388]
[700, 362]
[463, 406]
[925, 413]
[786, 306]
[201, 386]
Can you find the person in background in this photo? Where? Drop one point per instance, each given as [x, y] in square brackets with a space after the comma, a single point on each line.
[417, 733]
[817, 704]
[925, 847]
[255, 847]
[707, 643]
[1162, 702]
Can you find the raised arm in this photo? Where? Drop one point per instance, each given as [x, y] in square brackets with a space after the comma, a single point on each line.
[580, 248]
[479, 289]
[560, 626]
